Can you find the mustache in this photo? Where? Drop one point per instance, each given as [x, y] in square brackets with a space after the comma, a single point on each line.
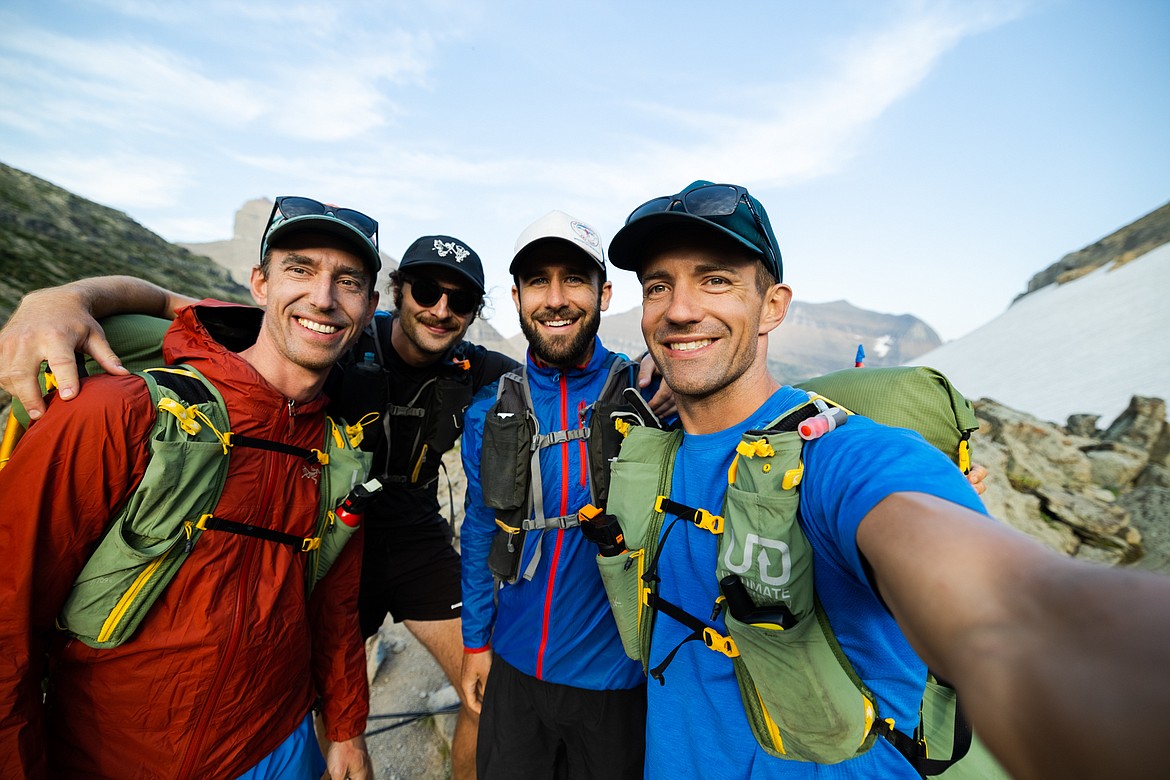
[563, 313]
[436, 322]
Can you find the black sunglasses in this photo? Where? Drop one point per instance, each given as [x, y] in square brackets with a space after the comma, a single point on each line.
[427, 292]
[709, 200]
[290, 206]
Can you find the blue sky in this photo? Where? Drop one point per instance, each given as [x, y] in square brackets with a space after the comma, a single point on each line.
[915, 157]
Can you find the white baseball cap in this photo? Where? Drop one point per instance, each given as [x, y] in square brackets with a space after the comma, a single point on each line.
[559, 226]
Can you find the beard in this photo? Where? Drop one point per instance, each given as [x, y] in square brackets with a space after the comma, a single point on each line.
[564, 351]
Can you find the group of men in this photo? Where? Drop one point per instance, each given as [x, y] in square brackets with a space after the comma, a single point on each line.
[1060, 665]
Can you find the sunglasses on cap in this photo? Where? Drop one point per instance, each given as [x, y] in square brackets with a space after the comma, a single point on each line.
[426, 292]
[709, 200]
[291, 206]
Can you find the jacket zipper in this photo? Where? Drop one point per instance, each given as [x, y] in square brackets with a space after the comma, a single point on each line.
[552, 566]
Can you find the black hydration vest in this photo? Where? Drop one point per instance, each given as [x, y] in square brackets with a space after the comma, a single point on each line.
[417, 432]
[510, 460]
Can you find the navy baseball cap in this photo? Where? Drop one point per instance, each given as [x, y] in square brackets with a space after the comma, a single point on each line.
[728, 210]
[292, 214]
[447, 252]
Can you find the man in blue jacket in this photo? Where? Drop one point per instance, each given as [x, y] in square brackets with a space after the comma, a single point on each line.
[562, 697]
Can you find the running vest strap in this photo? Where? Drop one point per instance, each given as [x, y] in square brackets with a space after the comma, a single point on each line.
[510, 464]
[801, 695]
[418, 432]
[173, 505]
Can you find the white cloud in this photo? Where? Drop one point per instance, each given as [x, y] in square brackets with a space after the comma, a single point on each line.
[124, 181]
[803, 130]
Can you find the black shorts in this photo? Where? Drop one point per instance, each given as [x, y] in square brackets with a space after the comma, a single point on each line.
[539, 730]
[411, 576]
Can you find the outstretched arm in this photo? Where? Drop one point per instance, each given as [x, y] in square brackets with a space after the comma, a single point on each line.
[54, 323]
[1060, 665]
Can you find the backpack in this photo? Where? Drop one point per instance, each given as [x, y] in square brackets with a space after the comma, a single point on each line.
[152, 536]
[801, 696]
[510, 463]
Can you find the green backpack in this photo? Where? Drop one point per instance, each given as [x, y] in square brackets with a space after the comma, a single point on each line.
[152, 536]
[801, 695]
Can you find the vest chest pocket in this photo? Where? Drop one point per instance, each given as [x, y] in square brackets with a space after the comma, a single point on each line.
[810, 708]
[622, 577]
[507, 449]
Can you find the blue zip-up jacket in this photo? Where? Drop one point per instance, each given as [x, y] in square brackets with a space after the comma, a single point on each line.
[558, 626]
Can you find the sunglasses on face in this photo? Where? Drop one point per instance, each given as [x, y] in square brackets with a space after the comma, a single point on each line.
[710, 200]
[426, 292]
[291, 206]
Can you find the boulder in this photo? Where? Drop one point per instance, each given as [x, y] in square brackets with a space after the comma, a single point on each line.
[1141, 425]
[1039, 453]
[1103, 525]
[1153, 475]
[1115, 466]
[1149, 512]
[1083, 425]
[1014, 508]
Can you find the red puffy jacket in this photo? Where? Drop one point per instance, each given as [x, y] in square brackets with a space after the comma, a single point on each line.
[231, 656]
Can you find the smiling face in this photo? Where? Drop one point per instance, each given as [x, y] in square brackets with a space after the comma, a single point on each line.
[317, 297]
[559, 296]
[705, 320]
[423, 334]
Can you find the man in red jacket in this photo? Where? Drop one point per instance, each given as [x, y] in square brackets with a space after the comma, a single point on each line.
[219, 679]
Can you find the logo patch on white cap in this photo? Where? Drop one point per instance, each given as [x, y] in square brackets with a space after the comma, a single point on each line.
[450, 247]
[586, 234]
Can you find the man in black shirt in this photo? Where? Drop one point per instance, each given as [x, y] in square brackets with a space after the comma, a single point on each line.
[424, 376]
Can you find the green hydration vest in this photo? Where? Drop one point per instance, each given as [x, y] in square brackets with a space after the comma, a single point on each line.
[802, 697]
[173, 505]
[510, 460]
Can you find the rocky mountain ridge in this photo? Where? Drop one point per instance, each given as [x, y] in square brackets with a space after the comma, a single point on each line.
[50, 236]
[1119, 247]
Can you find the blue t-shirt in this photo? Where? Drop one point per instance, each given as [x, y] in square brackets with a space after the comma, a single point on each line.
[696, 725]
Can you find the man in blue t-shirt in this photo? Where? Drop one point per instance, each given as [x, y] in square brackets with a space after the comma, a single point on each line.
[906, 564]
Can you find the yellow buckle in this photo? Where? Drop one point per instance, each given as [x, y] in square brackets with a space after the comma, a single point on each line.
[720, 643]
[622, 426]
[310, 543]
[322, 457]
[792, 477]
[201, 523]
[184, 414]
[751, 449]
[710, 522]
[965, 456]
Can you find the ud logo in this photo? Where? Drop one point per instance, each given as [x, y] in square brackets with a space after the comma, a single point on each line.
[775, 566]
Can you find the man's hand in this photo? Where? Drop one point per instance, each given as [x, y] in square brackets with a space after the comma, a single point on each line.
[50, 325]
[976, 477]
[349, 759]
[475, 673]
[662, 404]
